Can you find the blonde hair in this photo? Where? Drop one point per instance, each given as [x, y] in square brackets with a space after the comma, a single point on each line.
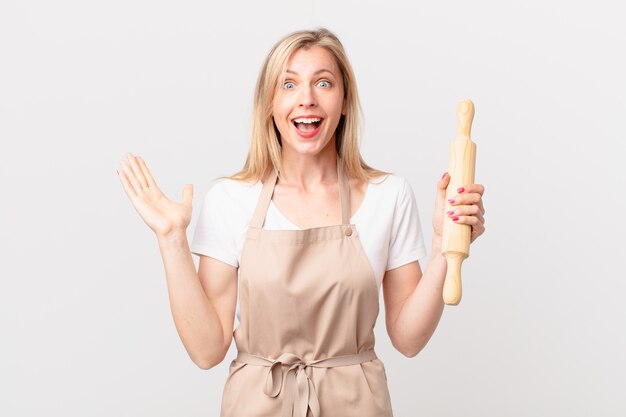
[265, 147]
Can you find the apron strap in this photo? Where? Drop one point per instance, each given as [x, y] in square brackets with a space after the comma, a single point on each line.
[269, 183]
[299, 393]
[264, 200]
[344, 189]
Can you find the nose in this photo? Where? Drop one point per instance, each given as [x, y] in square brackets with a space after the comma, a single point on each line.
[307, 97]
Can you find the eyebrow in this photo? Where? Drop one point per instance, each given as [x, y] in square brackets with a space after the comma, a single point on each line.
[315, 73]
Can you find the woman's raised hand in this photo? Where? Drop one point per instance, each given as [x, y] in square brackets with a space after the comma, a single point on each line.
[467, 207]
[161, 214]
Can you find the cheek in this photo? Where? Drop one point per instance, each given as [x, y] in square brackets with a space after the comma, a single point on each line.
[335, 103]
[281, 112]
[281, 123]
[281, 120]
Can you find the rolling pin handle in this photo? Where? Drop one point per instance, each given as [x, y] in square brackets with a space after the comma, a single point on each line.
[465, 115]
[452, 284]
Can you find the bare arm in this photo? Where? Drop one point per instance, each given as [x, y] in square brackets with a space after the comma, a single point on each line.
[202, 303]
[413, 302]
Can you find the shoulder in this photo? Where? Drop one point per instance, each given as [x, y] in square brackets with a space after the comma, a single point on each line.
[226, 189]
[385, 198]
[393, 196]
[391, 186]
[231, 198]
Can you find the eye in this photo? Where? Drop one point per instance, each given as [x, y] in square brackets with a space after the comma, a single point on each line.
[286, 84]
[324, 81]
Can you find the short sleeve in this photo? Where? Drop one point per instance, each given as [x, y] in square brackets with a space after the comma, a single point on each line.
[406, 243]
[214, 235]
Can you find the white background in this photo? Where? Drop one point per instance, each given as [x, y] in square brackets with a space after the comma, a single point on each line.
[85, 323]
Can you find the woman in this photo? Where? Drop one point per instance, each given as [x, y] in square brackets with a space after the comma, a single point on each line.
[291, 235]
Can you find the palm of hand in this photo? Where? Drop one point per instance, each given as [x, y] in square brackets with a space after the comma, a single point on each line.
[160, 213]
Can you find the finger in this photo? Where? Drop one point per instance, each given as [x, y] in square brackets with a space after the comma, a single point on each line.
[445, 180]
[131, 178]
[478, 207]
[477, 231]
[466, 212]
[136, 170]
[472, 188]
[128, 188]
[480, 218]
[469, 220]
[442, 184]
[465, 198]
[477, 189]
[146, 173]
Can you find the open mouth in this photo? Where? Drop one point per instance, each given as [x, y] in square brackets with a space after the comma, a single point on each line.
[308, 126]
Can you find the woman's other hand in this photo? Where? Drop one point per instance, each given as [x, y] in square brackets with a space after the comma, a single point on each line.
[161, 214]
[467, 207]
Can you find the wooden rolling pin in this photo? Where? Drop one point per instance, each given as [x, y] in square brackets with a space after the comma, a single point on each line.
[456, 237]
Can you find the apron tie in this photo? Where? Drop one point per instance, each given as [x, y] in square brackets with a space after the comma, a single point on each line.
[300, 391]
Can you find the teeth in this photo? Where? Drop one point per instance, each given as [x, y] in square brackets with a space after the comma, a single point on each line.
[306, 120]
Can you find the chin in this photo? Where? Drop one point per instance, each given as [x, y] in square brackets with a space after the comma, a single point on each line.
[310, 149]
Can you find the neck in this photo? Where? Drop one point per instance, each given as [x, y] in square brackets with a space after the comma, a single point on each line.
[309, 171]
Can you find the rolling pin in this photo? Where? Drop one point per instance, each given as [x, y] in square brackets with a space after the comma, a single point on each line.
[456, 237]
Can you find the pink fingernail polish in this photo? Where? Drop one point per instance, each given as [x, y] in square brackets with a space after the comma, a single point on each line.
[444, 174]
[450, 212]
[455, 218]
[460, 190]
[451, 201]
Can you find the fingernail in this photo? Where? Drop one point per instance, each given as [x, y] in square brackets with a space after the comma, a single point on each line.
[460, 190]
[450, 212]
[118, 173]
[451, 201]
[455, 218]
[444, 174]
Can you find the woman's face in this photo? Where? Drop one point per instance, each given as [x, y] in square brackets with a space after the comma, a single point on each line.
[313, 87]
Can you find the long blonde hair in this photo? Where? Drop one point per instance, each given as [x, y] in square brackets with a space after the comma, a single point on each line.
[265, 147]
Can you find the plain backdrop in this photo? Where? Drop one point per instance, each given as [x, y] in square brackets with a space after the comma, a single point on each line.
[85, 323]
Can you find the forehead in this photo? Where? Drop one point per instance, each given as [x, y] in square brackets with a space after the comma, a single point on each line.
[308, 61]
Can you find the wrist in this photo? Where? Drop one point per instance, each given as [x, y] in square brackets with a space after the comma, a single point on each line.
[174, 236]
[436, 243]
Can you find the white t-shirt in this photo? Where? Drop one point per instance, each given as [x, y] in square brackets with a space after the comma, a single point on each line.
[387, 222]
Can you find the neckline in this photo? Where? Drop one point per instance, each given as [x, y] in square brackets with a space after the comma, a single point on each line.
[269, 183]
[286, 219]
